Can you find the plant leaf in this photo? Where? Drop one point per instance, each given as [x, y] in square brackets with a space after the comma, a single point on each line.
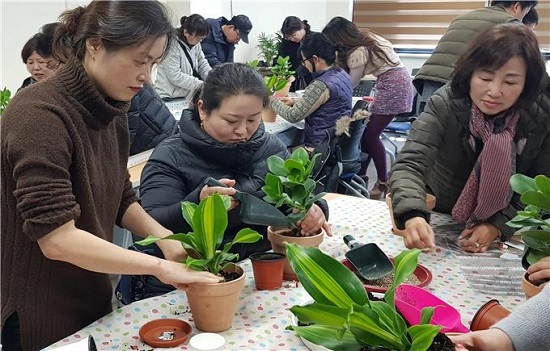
[368, 331]
[326, 336]
[543, 184]
[536, 239]
[422, 336]
[247, 236]
[188, 211]
[426, 315]
[276, 165]
[521, 183]
[210, 222]
[404, 265]
[532, 197]
[326, 280]
[336, 317]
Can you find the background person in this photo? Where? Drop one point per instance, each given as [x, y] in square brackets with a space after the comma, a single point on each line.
[364, 53]
[219, 45]
[437, 69]
[531, 19]
[326, 99]
[294, 31]
[222, 138]
[64, 150]
[488, 123]
[184, 68]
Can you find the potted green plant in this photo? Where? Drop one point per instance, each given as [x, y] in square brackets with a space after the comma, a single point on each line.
[342, 317]
[534, 220]
[289, 185]
[213, 305]
[278, 82]
[269, 48]
[5, 96]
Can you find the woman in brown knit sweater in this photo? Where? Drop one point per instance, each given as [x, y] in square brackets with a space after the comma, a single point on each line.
[64, 180]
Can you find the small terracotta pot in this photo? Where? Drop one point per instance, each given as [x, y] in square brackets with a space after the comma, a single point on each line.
[430, 204]
[278, 241]
[268, 270]
[529, 288]
[488, 315]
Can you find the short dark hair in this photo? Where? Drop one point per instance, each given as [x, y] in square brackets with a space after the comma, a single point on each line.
[194, 25]
[41, 42]
[28, 49]
[532, 17]
[230, 79]
[319, 45]
[119, 24]
[492, 49]
[509, 3]
[292, 24]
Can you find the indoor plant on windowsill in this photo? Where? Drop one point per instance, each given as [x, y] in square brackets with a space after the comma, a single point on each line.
[342, 317]
[535, 220]
[213, 305]
[289, 184]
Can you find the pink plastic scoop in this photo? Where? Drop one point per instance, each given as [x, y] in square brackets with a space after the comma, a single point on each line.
[410, 300]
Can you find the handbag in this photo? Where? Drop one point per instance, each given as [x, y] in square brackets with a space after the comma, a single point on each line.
[136, 287]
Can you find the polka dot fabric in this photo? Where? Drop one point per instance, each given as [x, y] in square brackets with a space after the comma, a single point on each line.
[263, 315]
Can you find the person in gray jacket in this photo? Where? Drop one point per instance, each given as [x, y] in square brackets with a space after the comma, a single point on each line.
[436, 71]
[184, 68]
[488, 123]
[525, 329]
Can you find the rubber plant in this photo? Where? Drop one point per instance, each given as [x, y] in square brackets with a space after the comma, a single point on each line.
[342, 317]
[208, 221]
[289, 184]
[534, 219]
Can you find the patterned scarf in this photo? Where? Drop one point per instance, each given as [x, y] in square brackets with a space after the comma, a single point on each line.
[487, 190]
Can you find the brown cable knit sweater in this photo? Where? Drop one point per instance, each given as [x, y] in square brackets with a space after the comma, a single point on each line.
[64, 157]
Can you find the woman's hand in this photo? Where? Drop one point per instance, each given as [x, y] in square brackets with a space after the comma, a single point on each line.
[313, 222]
[179, 276]
[478, 238]
[418, 234]
[230, 191]
[483, 340]
[287, 100]
[540, 271]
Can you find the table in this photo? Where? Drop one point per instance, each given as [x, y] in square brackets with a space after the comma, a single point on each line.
[263, 315]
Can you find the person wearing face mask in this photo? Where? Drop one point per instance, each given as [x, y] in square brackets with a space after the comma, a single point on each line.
[184, 68]
[294, 32]
[326, 99]
[223, 138]
[37, 55]
[219, 45]
[488, 123]
[65, 183]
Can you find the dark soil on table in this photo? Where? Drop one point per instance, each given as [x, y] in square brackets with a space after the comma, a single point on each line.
[386, 282]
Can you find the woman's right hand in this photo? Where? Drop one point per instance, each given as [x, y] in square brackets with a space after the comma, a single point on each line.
[179, 276]
[418, 234]
[230, 191]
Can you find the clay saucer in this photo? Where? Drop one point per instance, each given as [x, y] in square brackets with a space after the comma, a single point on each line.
[168, 332]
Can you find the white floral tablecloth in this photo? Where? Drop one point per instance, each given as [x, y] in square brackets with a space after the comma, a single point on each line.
[263, 315]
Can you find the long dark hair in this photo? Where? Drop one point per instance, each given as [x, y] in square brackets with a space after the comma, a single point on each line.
[230, 79]
[194, 25]
[342, 31]
[119, 24]
[492, 49]
[292, 24]
[319, 45]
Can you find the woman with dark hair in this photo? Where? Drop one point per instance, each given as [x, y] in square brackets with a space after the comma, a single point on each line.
[294, 31]
[488, 123]
[184, 68]
[326, 99]
[365, 53]
[37, 55]
[223, 138]
[64, 178]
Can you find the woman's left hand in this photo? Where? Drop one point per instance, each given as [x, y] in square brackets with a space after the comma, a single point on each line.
[478, 238]
[313, 222]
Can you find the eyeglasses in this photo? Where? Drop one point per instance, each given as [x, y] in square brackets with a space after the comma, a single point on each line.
[303, 62]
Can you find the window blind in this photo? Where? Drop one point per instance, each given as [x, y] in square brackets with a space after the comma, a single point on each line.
[416, 23]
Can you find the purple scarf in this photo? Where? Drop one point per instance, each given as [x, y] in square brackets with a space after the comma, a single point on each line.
[487, 190]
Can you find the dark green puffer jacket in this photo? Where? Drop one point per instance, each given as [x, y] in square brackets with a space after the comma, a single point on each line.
[461, 32]
[438, 157]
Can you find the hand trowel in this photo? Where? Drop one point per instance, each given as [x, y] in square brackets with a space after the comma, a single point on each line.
[255, 210]
[369, 260]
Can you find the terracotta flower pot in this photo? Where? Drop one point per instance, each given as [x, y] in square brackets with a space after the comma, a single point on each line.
[529, 288]
[213, 306]
[278, 239]
[268, 270]
[488, 315]
[430, 204]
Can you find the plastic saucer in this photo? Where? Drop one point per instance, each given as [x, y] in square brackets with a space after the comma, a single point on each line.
[207, 341]
[168, 332]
